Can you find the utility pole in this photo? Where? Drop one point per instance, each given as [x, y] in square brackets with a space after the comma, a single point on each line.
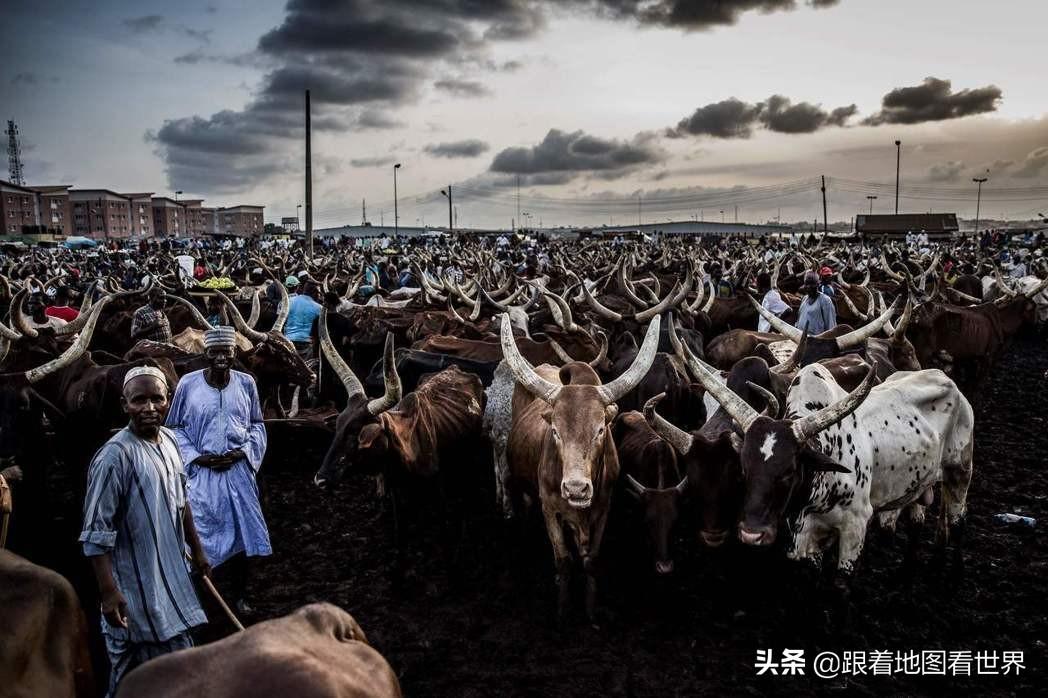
[898, 161]
[363, 211]
[736, 213]
[518, 202]
[396, 212]
[825, 224]
[451, 221]
[309, 182]
[872, 199]
[978, 199]
[639, 208]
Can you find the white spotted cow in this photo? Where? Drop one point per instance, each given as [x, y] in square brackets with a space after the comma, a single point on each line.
[843, 457]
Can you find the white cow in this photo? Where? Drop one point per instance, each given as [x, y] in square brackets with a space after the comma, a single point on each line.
[910, 433]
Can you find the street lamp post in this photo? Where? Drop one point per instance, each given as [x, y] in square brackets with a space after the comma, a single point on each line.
[396, 212]
[978, 199]
[871, 198]
[722, 216]
[898, 162]
[298, 220]
[451, 222]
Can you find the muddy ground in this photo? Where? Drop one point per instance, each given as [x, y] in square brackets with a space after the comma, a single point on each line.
[487, 629]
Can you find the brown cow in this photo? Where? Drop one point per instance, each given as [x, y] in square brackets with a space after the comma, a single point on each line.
[319, 651]
[43, 645]
[537, 352]
[562, 454]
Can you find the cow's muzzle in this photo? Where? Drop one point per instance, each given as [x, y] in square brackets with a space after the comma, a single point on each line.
[577, 491]
[713, 539]
[762, 536]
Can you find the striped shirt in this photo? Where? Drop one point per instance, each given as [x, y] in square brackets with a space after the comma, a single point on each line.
[133, 511]
[147, 316]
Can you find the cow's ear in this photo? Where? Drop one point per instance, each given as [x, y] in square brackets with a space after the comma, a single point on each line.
[372, 435]
[819, 462]
[736, 442]
[610, 412]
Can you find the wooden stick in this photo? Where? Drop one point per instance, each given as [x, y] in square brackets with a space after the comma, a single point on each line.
[221, 602]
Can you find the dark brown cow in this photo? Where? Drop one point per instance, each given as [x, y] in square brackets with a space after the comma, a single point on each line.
[653, 476]
[319, 651]
[578, 345]
[969, 338]
[561, 452]
[43, 644]
[710, 460]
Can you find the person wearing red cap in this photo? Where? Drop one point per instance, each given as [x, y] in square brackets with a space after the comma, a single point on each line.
[826, 281]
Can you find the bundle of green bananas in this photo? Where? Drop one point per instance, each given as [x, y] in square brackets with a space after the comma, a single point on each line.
[218, 282]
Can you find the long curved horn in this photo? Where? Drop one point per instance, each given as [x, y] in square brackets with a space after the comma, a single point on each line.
[778, 324]
[600, 309]
[858, 337]
[391, 379]
[810, 425]
[74, 352]
[197, 315]
[524, 373]
[771, 402]
[855, 311]
[283, 308]
[256, 308]
[676, 437]
[713, 297]
[238, 321]
[632, 482]
[663, 305]
[563, 316]
[342, 370]
[18, 317]
[734, 405]
[455, 313]
[899, 333]
[611, 392]
[888, 270]
[794, 362]
[596, 362]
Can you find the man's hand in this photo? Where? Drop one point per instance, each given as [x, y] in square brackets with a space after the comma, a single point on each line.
[200, 562]
[114, 607]
[217, 462]
[235, 455]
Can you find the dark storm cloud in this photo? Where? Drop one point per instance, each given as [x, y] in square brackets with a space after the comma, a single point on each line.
[733, 118]
[567, 154]
[380, 53]
[462, 88]
[458, 149]
[144, 23]
[371, 119]
[934, 100]
[691, 15]
[371, 162]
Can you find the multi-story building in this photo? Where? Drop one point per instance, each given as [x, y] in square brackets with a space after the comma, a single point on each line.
[141, 214]
[19, 207]
[100, 213]
[169, 217]
[56, 212]
[242, 221]
[194, 223]
[209, 219]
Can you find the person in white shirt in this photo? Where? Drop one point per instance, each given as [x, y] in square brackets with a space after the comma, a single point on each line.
[35, 306]
[772, 301]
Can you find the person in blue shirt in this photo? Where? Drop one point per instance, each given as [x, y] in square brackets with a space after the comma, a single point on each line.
[817, 311]
[826, 282]
[303, 312]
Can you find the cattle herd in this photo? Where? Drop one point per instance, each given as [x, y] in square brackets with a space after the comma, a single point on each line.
[606, 377]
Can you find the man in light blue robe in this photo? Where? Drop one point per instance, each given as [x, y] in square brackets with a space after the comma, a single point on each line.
[216, 417]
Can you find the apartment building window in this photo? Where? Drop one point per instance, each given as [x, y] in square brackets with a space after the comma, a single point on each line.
[54, 205]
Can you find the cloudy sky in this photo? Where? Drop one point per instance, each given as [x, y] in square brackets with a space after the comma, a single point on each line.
[688, 107]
